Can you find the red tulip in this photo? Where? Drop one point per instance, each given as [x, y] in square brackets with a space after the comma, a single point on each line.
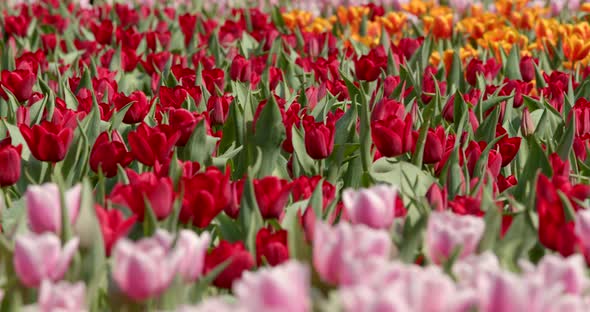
[391, 128]
[240, 69]
[508, 146]
[206, 194]
[434, 146]
[272, 194]
[218, 108]
[271, 246]
[113, 226]
[319, 136]
[527, 68]
[185, 122]
[214, 79]
[139, 109]
[429, 84]
[107, 153]
[149, 145]
[48, 141]
[103, 32]
[368, 67]
[10, 162]
[155, 62]
[240, 260]
[157, 191]
[18, 82]
[188, 25]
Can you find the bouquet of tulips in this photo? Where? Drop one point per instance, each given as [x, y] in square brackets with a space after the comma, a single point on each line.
[263, 156]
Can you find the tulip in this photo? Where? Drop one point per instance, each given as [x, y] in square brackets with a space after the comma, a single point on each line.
[206, 195]
[527, 126]
[40, 257]
[447, 231]
[240, 260]
[272, 194]
[341, 253]
[374, 207]
[527, 68]
[319, 137]
[144, 269]
[271, 246]
[185, 122]
[437, 197]
[289, 282]
[368, 67]
[108, 153]
[240, 69]
[139, 106]
[44, 210]
[19, 82]
[192, 249]
[157, 191]
[218, 108]
[233, 207]
[62, 296]
[583, 228]
[48, 141]
[113, 226]
[10, 162]
[214, 79]
[151, 144]
[103, 32]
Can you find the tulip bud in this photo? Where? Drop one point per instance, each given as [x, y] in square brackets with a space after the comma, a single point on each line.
[527, 68]
[527, 127]
[10, 162]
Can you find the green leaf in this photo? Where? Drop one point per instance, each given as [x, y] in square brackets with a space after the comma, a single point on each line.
[249, 217]
[269, 135]
[392, 172]
[412, 238]
[512, 69]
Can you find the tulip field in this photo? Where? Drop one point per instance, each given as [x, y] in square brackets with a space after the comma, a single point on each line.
[266, 156]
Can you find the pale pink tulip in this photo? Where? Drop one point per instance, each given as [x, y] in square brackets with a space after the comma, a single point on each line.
[569, 273]
[447, 231]
[281, 288]
[44, 206]
[145, 268]
[583, 227]
[341, 253]
[40, 257]
[63, 297]
[374, 207]
[191, 249]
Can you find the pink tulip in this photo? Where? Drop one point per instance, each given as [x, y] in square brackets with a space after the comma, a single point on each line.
[44, 206]
[281, 288]
[145, 268]
[568, 272]
[583, 228]
[341, 253]
[447, 231]
[39, 257]
[192, 249]
[374, 207]
[63, 297]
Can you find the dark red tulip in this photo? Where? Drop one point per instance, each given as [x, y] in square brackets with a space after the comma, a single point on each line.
[214, 79]
[434, 146]
[206, 194]
[233, 207]
[240, 69]
[319, 136]
[142, 188]
[272, 194]
[527, 68]
[272, 247]
[113, 226]
[505, 183]
[185, 122]
[48, 141]
[304, 186]
[218, 108]
[391, 128]
[508, 146]
[18, 82]
[155, 62]
[107, 153]
[10, 162]
[188, 25]
[151, 144]
[139, 108]
[103, 32]
[292, 118]
[368, 67]
[240, 260]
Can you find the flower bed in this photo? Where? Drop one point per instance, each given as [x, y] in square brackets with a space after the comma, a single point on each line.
[305, 156]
